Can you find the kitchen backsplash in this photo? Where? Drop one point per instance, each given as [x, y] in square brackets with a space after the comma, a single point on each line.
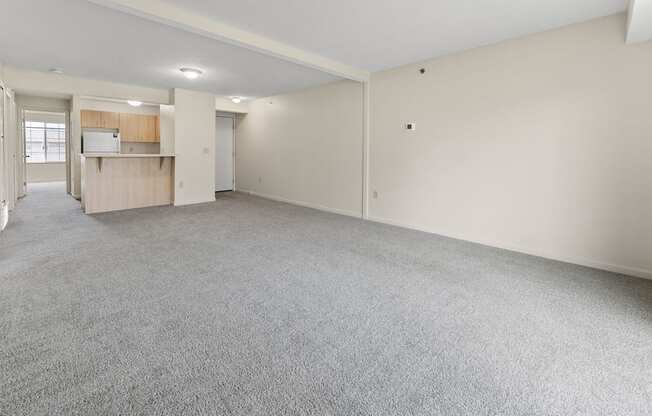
[140, 148]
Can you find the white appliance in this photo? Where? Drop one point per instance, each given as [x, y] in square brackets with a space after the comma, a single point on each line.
[101, 141]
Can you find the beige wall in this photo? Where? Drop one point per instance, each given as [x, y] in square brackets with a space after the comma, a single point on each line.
[542, 145]
[46, 172]
[45, 83]
[166, 124]
[194, 146]
[117, 107]
[9, 188]
[304, 148]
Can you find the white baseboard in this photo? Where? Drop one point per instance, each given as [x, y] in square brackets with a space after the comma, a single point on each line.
[194, 201]
[615, 268]
[302, 203]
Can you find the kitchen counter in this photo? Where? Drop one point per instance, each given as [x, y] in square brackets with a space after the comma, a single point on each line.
[115, 181]
[127, 155]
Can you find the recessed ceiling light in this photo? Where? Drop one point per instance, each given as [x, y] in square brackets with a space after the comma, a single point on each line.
[191, 73]
[134, 103]
[236, 100]
[56, 70]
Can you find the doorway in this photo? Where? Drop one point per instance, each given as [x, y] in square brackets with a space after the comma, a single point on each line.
[46, 146]
[224, 153]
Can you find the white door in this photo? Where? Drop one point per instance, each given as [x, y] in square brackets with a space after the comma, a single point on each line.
[223, 154]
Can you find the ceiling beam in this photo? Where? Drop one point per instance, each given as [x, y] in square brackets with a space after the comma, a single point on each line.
[182, 19]
[639, 21]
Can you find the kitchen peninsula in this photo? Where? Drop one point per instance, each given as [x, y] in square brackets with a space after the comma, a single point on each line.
[112, 182]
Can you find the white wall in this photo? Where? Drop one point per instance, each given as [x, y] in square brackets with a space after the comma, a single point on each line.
[11, 148]
[45, 83]
[304, 148]
[4, 207]
[75, 146]
[166, 128]
[224, 104]
[117, 107]
[542, 145]
[194, 146]
[46, 172]
[7, 153]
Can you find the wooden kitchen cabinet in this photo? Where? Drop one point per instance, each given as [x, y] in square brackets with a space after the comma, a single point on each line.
[133, 127]
[100, 119]
[90, 119]
[147, 129]
[129, 127]
[109, 120]
[139, 128]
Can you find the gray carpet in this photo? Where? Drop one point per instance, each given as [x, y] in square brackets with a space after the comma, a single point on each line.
[251, 307]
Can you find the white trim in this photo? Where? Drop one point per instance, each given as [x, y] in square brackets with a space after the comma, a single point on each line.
[302, 203]
[180, 18]
[614, 268]
[366, 146]
[639, 19]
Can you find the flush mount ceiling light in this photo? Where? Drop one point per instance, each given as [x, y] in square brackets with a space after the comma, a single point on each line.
[134, 103]
[58, 71]
[191, 73]
[236, 100]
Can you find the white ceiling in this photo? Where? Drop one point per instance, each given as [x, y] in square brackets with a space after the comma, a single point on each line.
[92, 41]
[380, 34]
[95, 42]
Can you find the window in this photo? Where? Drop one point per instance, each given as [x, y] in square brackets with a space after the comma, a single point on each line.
[45, 137]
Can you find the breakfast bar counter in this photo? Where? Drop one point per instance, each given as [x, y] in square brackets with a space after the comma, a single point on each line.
[114, 181]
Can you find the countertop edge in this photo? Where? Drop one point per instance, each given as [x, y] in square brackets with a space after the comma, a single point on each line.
[126, 155]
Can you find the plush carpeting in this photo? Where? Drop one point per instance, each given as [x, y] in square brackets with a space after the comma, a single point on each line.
[251, 307]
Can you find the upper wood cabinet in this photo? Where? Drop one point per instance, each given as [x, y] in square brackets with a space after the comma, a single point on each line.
[129, 127]
[139, 128]
[100, 119]
[133, 127]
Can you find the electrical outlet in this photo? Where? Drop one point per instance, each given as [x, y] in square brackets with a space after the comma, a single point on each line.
[410, 126]
[375, 194]
[260, 179]
[180, 184]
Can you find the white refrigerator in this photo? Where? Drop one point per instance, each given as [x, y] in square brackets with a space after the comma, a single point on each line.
[100, 142]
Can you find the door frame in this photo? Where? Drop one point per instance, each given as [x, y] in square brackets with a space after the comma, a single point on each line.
[231, 116]
[47, 109]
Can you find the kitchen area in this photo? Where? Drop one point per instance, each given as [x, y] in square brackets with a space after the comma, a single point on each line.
[124, 165]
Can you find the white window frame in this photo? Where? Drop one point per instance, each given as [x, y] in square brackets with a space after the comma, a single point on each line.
[45, 141]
